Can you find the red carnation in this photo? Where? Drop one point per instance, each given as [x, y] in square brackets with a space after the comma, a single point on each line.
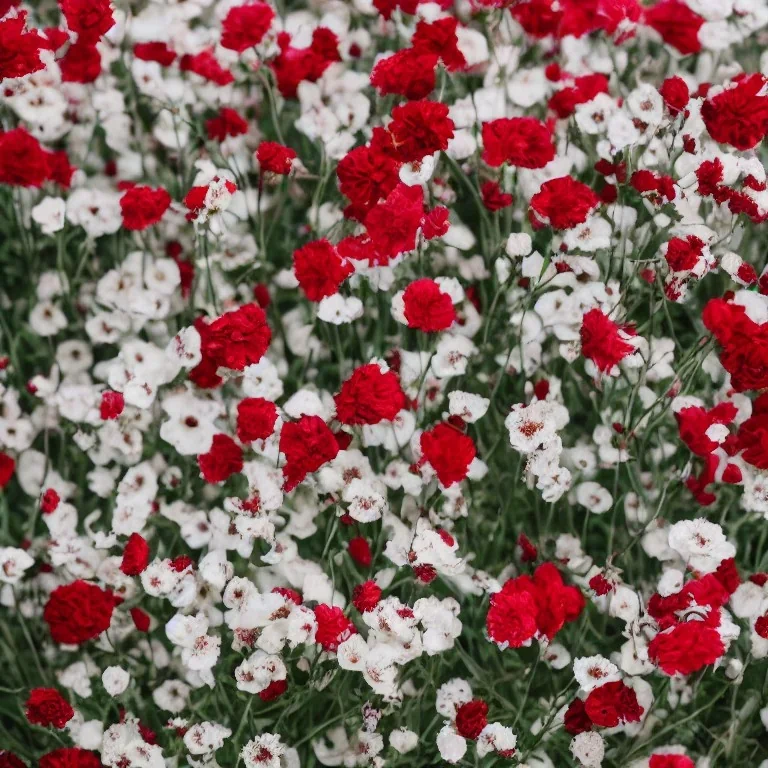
[393, 224]
[419, 128]
[369, 396]
[523, 142]
[471, 718]
[365, 177]
[612, 704]
[677, 24]
[603, 341]
[224, 459]
[675, 93]
[562, 203]
[81, 63]
[360, 551]
[111, 406]
[449, 452]
[140, 619]
[366, 596]
[49, 501]
[275, 158]
[493, 198]
[205, 65]
[738, 115]
[23, 162]
[333, 627]
[89, 19]
[135, 555]
[245, 26]
[159, 52]
[7, 465]
[226, 123]
[670, 761]
[70, 757]
[576, 719]
[256, 419]
[307, 444]
[686, 648]
[238, 339]
[426, 307]
[78, 612]
[409, 73]
[274, 690]
[19, 48]
[46, 706]
[320, 269]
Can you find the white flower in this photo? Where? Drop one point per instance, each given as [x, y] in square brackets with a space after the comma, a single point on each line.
[496, 737]
[13, 563]
[204, 738]
[452, 746]
[593, 497]
[589, 749]
[403, 741]
[264, 751]
[115, 680]
[339, 310]
[701, 544]
[592, 671]
[49, 214]
[531, 426]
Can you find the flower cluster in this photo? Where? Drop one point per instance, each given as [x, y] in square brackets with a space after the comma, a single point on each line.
[383, 383]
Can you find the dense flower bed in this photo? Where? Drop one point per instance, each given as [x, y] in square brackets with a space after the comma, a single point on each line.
[383, 383]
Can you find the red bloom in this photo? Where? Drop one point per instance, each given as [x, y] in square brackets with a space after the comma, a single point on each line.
[78, 612]
[23, 162]
[81, 63]
[683, 255]
[366, 596]
[111, 406]
[369, 396]
[752, 438]
[677, 24]
[694, 421]
[670, 761]
[256, 419]
[135, 555]
[275, 158]
[439, 37]
[419, 128]
[738, 115]
[293, 65]
[618, 18]
[612, 704]
[159, 52]
[9, 760]
[70, 757]
[307, 444]
[539, 18]
[49, 501]
[59, 169]
[471, 718]
[523, 142]
[7, 465]
[449, 452]
[205, 65]
[360, 551]
[660, 187]
[365, 177]
[239, 338]
[576, 719]
[333, 627]
[603, 341]
[320, 269]
[562, 203]
[409, 72]
[493, 198]
[46, 706]
[246, 25]
[274, 690]
[392, 226]
[426, 307]
[584, 89]
[675, 93]
[528, 552]
[19, 48]
[90, 19]
[224, 459]
[686, 648]
[140, 619]
[226, 123]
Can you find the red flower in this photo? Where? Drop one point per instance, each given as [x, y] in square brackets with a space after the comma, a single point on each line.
[426, 307]
[683, 255]
[675, 93]
[320, 269]
[224, 459]
[365, 177]
[205, 65]
[471, 718]
[256, 419]
[7, 466]
[23, 162]
[307, 444]
[245, 26]
[612, 704]
[9, 760]
[70, 757]
[49, 501]
[419, 128]
[333, 627]
[226, 123]
[19, 48]
[686, 648]
[275, 158]
[493, 198]
[752, 438]
[738, 115]
[618, 16]
[528, 552]
[677, 24]
[81, 63]
[274, 690]
[439, 37]
[369, 396]
[239, 338]
[140, 619]
[670, 761]
[694, 421]
[46, 706]
[89, 19]
[366, 596]
[603, 341]
[360, 551]
[135, 555]
[523, 142]
[159, 52]
[562, 203]
[584, 89]
[393, 225]
[409, 72]
[576, 719]
[111, 406]
[449, 452]
[539, 18]
[78, 612]
[293, 65]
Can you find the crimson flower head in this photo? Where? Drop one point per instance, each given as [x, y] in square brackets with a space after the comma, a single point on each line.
[449, 452]
[226, 123]
[245, 26]
[275, 158]
[418, 129]
[677, 25]
[675, 93]
[46, 706]
[366, 596]
[135, 555]
[686, 647]
[224, 459]
[89, 19]
[78, 612]
[7, 466]
[111, 406]
[256, 418]
[613, 704]
[471, 718]
[333, 627]
[738, 115]
[366, 175]
[206, 66]
[320, 269]
[19, 48]
[238, 338]
[23, 162]
[426, 307]
[603, 341]
[562, 203]
[70, 757]
[307, 444]
[522, 142]
[360, 551]
[143, 206]
[409, 72]
[369, 396]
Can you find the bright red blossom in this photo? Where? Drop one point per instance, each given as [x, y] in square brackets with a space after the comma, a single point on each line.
[369, 396]
[426, 307]
[245, 26]
[135, 555]
[449, 452]
[78, 612]
[46, 706]
[224, 459]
